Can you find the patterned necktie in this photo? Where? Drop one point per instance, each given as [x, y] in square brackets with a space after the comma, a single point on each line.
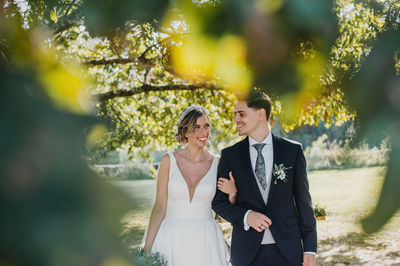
[260, 166]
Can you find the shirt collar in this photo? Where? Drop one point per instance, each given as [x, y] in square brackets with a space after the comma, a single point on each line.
[267, 140]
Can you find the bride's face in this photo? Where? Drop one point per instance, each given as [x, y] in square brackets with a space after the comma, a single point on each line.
[199, 134]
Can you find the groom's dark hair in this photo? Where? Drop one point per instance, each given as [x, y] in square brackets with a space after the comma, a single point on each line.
[257, 100]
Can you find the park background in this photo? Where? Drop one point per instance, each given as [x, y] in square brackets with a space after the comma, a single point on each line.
[91, 91]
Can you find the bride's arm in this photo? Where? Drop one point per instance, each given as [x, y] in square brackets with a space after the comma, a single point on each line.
[233, 213]
[228, 186]
[160, 205]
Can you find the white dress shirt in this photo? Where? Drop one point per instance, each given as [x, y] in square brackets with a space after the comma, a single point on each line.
[268, 154]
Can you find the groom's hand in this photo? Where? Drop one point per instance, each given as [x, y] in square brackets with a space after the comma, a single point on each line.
[258, 221]
[309, 259]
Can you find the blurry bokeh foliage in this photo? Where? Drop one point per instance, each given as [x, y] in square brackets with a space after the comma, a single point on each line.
[138, 64]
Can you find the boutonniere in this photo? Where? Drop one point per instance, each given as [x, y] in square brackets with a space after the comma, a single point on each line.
[279, 173]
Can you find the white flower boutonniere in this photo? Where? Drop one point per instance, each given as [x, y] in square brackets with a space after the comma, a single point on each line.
[279, 173]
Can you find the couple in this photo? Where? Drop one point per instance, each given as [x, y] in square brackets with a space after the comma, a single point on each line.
[262, 191]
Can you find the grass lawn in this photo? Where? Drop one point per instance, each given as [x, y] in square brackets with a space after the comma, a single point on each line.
[347, 195]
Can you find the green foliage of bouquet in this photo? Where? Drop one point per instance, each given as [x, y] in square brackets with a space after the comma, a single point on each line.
[151, 259]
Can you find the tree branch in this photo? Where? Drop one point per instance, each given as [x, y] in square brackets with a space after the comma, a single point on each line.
[146, 88]
[99, 62]
[110, 61]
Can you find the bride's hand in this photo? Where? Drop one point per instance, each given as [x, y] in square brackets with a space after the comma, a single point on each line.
[146, 251]
[227, 186]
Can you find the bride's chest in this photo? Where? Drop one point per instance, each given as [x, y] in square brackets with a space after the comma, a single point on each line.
[201, 190]
[192, 173]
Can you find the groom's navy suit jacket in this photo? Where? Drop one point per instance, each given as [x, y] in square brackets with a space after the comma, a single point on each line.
[288, 205]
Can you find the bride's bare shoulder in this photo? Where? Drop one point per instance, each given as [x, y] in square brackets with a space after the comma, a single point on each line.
[165, 160]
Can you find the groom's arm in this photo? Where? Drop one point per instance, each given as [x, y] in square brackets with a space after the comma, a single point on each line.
[304, 206]
[220, 204]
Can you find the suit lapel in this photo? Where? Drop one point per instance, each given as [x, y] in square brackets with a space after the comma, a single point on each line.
[277, 160]
[245, 158]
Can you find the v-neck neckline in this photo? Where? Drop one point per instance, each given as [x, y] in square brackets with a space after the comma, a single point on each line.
[186, 184]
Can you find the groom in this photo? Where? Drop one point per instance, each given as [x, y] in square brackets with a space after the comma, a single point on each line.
[273, 219]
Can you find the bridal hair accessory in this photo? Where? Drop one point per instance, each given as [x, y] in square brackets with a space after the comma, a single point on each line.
[190, 109]
[279, 173]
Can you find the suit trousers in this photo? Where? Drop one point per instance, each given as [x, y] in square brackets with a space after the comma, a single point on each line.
[269, 255]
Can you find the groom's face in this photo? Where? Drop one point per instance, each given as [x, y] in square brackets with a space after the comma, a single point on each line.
[246, 118]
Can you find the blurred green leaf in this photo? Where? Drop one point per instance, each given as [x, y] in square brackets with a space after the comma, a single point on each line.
[104, 16]
[375, 93]
[55, 211]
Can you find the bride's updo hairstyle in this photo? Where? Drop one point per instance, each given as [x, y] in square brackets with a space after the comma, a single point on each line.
[187, 121]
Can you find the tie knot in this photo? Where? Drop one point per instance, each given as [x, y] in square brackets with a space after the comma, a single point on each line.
[259, 146]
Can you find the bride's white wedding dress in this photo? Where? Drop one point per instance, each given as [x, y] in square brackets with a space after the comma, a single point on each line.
[189, 234]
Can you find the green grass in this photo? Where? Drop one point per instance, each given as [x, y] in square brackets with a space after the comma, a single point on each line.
[347, 195]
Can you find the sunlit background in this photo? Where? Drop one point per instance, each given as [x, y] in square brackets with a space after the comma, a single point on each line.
[91, 91]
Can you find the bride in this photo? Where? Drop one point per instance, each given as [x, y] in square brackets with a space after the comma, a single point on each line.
[182, 228]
